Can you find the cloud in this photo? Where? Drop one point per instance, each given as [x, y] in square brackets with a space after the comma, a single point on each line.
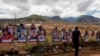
[45, 2]
[95, 6]
[41, 10]
[63, 8]
[83, 5]
[97, 14]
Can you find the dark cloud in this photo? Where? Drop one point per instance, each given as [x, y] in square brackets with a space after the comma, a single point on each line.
[2, 12]
[57, 12]
[43, 2]
[15, 1]
[44, 7]
[21, 4]
[82, 6]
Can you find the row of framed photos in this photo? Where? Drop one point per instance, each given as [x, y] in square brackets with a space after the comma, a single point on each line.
[23, 40]
[33, 37]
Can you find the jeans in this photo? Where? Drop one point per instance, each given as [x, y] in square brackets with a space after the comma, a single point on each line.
[76, 46]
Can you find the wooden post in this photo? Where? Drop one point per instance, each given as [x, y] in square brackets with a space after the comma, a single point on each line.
[14, 36]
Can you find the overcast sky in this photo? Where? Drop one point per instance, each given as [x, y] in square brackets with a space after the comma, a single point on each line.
[63, 8]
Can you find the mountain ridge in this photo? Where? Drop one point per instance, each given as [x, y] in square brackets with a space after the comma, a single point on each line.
[80, 19]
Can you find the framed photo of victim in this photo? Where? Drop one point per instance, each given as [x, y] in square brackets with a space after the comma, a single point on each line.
[63, 36]
[7, 37]
[41, 36]
[22, 36]
[56, 36]
[33, 35]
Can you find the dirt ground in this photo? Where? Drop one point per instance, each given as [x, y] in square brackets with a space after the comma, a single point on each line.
[83, 52]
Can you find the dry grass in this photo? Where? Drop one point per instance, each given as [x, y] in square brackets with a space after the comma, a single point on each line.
[95, 52]
[49, 26]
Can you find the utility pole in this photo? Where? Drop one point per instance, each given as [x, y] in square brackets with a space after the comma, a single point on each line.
[14, 35]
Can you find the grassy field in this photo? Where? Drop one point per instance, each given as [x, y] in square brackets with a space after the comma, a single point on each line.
[83, 52]
[49, 26]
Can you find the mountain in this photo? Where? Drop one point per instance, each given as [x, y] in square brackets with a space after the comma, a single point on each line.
[87, 19]
[56, 18]
[70, 19]
[80, 19]
[30, 18]
[38, 18]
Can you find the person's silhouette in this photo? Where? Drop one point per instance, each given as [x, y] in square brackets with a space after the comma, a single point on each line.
[75, 37]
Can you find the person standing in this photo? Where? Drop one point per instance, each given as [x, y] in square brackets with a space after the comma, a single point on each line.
[75, 37]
